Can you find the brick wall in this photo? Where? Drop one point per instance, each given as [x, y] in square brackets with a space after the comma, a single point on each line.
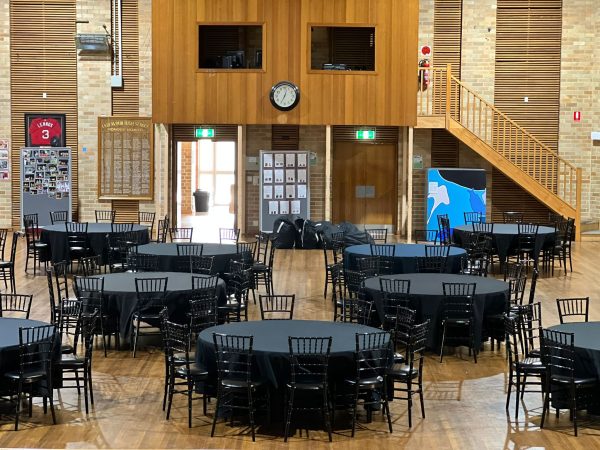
[421, 146]
[312, 138]
[258, 137]
[186, 177]
[94, 99]
[5, 186]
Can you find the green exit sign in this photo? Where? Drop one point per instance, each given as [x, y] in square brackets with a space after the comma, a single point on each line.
[203, 133]
[365, 135]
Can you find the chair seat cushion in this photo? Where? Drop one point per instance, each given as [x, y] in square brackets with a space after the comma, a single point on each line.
[561, 379]
[403, 372]
[257, 267]
[70, 361]
[240, 384]
[306, 386]
[181, 357]
[371, 382]
[29, 376]
[532, 364]
[399, 358]
[5, 263]
[457, 321]
[66, 348]
[196, 371]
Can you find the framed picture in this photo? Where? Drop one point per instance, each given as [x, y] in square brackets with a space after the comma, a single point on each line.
[45, 130]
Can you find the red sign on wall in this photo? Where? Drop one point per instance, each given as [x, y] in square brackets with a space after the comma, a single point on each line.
[576, 116]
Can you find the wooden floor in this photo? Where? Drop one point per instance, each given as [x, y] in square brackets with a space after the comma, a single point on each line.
[464, 401]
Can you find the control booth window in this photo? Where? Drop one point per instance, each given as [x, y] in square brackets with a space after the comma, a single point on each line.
[230, 47]
[342, 48]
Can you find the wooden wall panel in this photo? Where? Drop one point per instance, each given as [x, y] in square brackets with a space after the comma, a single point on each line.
[42, 47]
[126, 99]
[508, 196]
[285, 137]
[184, 94]
[447, 34]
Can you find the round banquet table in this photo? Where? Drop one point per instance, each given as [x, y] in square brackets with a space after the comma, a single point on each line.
[426, 296]
[505, 238]
[169, 260]
[270, 346]
[56, 238]
[120, 295]
[9, 346]
[405, 257]
[587, 356]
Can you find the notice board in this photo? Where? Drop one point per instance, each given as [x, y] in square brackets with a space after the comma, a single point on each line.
[284, 186]
[125, 158]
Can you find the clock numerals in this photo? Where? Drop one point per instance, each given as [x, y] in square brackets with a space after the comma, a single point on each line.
[284, 96]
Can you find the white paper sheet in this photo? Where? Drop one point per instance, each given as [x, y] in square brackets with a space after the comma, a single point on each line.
[267, 160]
[267, 192]
[284, 207]
[302, 159]
[290, 191]
[290, 160]
[278, 175]
[267, 176]
[273, 207]
[301, 191]
[301, 175]
[290, 176]
[279, 158]
[278, 191]
[295, 206]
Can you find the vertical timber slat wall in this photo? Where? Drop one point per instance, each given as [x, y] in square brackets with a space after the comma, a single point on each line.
[528, 53]
[444, 149]
[42, 47]
[126, 99]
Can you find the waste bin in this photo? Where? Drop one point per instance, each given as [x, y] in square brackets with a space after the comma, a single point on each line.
[201, 200]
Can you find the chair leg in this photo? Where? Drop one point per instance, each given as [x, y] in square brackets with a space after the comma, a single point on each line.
[327, 417]
[91, 389]
[171, 388]
[85, 390]
[518, 376]
[218, 403]
[136, 330]
[18, 409]
[354, 411]
[189, 396]
[288, 416]
[442, 346]
[421, 399]
[251, 413]
[574, 407]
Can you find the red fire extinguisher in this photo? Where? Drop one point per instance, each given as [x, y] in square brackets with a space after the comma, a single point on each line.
[424, 75]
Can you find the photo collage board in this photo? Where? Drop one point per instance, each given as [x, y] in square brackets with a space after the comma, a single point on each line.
[284, 186]
[46, 171]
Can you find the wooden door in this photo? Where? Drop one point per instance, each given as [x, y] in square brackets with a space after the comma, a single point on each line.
[364, 183]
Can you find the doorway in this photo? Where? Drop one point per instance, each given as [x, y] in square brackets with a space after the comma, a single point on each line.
[208, 166]
[364, 186]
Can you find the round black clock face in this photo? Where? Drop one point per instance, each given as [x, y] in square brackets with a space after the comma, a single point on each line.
[285, 95]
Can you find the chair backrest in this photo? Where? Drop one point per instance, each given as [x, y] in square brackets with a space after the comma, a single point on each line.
[32, 219]
[90, 291]
[516, 290]
[431, 264]
[58, 216]
[181, 234]
[386, 250]
[361, 311]
[202, 264]
[190, 249]
[309, 359]
[105, 215]
[354, 281]
[475, 264]
[445, 233]
[417, 343]
[3, 236]
[458, 300]
[378, 234]
[234, 357]
[483, 227]
[370, 266]
[36, 346]
[472, 217]
[88, 329]
[337, 281]
[425, 236]
[338, 251]
[121, 227]
[163, 230]
[31, 231]
[147, 219]
[141, 262]
[558, 353]
[528, 230]
[18, 304]
[203, 313]
[229, 235]
[204, 283]
[151, 293]
[529, 318]
[91, 265]
[263, 240]
[75, 228]
[62, 282]
[51, 296]
[177, 340]
[394, 286]
[577, 307]
[277, 307]
[371, 354]
[512, 217]
[247, 250]
[513, 270]
[513, 340]
[13, 247]
[437, 251]
[402, 325]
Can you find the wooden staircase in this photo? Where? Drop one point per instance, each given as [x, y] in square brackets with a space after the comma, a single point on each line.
[448, 103]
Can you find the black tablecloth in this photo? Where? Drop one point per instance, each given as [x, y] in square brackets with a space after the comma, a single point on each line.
[505, 237]
[121, 299]
[9, 347]
[426, 296]
[587, 346]
[271, 350]
[168, 259]
[405, 259]
[56, 238]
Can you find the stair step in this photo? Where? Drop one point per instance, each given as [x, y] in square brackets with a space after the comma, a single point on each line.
[590, 225]
[591, 236]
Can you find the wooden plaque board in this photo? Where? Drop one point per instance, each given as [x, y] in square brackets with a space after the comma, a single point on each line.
[125, 158]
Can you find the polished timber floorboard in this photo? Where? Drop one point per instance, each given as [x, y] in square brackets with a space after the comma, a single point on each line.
[464, 401]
